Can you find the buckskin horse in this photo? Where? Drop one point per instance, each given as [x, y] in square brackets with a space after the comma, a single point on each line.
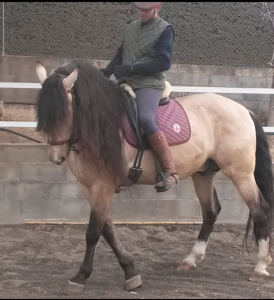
[79, 109]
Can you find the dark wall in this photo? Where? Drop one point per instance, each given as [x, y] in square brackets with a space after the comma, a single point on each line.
[211, 33]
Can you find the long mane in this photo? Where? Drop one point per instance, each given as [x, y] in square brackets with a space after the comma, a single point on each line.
[98, 108]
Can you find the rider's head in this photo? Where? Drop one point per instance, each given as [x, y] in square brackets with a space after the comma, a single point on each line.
[148, 10]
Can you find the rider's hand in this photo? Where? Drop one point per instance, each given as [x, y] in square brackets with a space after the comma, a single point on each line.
[122, 71]
[106, 72]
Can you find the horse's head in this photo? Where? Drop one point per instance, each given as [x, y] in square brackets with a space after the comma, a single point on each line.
[55, 112]
[87, 117]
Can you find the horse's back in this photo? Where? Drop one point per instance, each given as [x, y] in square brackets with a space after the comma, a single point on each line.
[220, 114]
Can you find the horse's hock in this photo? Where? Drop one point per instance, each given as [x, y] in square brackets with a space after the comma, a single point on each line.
[34, 189]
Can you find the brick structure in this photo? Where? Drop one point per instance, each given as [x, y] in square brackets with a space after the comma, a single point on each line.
[32, 188]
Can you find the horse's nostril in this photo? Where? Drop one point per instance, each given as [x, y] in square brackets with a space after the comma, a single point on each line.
[61, 161]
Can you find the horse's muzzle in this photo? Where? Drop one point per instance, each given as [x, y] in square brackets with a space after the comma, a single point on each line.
[58, 161]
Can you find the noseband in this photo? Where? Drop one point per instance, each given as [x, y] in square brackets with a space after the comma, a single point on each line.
[69, 141]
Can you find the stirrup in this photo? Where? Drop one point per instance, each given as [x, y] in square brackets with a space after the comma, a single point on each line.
[164, 185]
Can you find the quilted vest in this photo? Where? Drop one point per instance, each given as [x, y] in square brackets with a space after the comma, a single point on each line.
[139, 47]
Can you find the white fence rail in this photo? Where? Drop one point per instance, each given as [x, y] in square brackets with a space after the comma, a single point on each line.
[174, 88]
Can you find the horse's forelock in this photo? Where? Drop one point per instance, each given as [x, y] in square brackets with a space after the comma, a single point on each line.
[51, 105]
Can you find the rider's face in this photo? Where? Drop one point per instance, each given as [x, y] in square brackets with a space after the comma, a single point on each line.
[148, 14]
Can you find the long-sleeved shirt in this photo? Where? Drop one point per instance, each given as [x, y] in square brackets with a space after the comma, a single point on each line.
[162, 61]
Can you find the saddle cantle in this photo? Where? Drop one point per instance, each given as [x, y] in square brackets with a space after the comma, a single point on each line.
[172, 120]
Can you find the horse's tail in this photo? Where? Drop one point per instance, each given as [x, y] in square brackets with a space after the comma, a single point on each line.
[263, 175]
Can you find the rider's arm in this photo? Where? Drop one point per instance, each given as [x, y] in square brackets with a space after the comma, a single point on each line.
[163, 60]
[117, 59]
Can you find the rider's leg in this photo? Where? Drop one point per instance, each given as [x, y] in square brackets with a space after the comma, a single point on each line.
[147, 103]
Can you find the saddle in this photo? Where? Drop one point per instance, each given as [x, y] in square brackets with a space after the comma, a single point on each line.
[132, 113]
[135, 136]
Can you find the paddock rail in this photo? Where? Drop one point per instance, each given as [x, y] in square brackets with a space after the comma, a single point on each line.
[174, 88]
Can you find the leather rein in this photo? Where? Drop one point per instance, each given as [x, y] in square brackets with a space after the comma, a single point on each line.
[69, 141]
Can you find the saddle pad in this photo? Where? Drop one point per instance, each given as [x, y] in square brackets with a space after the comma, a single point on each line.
[173, 121]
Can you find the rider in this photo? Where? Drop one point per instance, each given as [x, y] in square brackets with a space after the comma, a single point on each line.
[146, 52]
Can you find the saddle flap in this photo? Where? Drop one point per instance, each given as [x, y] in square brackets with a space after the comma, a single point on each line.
[132, 113]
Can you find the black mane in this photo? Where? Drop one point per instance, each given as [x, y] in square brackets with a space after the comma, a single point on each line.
[98, 108]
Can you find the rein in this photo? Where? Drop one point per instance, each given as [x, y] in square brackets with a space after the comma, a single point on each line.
[69, 141]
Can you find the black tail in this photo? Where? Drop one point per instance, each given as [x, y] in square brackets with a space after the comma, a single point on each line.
[263, 176]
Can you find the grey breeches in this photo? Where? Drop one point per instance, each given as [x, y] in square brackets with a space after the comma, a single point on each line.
[147, 104]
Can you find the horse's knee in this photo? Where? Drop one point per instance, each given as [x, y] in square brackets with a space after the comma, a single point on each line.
[92, 235]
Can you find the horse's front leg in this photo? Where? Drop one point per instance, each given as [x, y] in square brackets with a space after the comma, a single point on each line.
[100, 208]
[125, 260]
[78, 282]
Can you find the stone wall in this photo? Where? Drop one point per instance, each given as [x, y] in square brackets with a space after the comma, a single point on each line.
[34, 189]
[207, 33]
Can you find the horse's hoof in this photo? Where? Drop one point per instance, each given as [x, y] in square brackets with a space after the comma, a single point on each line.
[73, 287]
[133, 283]
[186, 266]
[258, 277]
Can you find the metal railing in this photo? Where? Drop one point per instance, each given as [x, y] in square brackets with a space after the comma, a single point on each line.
[174, 88]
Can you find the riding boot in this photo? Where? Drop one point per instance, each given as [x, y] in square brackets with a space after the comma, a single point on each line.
[160, 147]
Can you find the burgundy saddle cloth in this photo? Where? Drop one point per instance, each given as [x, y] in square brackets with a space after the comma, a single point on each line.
[173, 121]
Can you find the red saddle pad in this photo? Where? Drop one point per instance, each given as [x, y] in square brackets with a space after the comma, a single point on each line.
[173, 121]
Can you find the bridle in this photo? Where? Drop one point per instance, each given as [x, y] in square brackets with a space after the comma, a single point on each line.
[69, 141]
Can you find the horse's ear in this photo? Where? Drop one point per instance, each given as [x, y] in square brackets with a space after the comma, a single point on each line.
[68, 82]
[41, 72]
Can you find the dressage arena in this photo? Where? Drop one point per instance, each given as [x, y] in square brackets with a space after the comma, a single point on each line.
[41, 249]
[36, 261]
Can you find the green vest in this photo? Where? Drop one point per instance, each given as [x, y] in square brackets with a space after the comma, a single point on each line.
[139, 47]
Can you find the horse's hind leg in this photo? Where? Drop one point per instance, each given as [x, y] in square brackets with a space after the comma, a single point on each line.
[259, 210]
[125, 260]
[210, 208]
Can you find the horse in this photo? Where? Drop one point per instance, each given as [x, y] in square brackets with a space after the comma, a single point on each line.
[79, 112]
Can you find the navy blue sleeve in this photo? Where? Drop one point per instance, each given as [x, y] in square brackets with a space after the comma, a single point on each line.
[117, 59]
[163, 60]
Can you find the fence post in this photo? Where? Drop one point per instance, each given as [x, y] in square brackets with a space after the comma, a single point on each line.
[3, 29]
